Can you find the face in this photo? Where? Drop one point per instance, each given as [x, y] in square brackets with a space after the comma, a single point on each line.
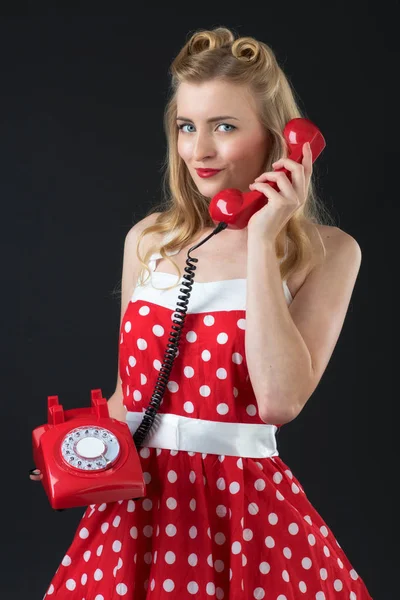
[219, 129]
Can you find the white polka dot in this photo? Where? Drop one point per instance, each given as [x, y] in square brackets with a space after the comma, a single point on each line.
[188, 407]
[281, 597]
[251, 410]
[70, 585]
[273, 518]
[192, 504]
[170, 557]
[289, 473]
[147, 479]
[324, 531]
[338, 585]
[84, 579]
[219, 538]
[168, 585]
[188, 372]
[221, 510]
[192, 560]
[277, 477]
[285, 576]
[206, 355]
[241, 323]
[237, 358]
[116, 521]
[353, 574]
[253, 508]
[234, 487]
[158, 330]
[157, 364]
[102, 507]
[143, 378]
[259, 484]
[247, 535]
[269, 542]
[121, 589]
[306, 563]
[134, 533]
[239, 463]
[171, 503]
[172, 476]
[222, 408]
[137, 395]
[117, 546]
[221, 373]
[99, 550]
[210, 589]
[104, 527]
[311, 539]
[264, 568]
[222, 338]
[128, 326]
[192, 587]
[302, 587]
[339, 562]
[172, 386]
[244, 560]
[236, 547]
[259, 593]
[219, 566]
[192, 476]
[170, 530]
[293, 528]
[191, 336]
[221, 485]
[144, 310]
[50, 590]
[148, 531]
[193, 532]
[295, 488]
[152, 584]
[327, 551]
[204, 391]
[145, 452]
[220, 592]
[84, 533]
[210, 560]
[208, 320]
[353, 596]
[98, 574]
[323, 573]
[147, 504]
[66, 561]
[320, 596]
[308, 519]
[287, 552]
[235, 392]
[141, 344]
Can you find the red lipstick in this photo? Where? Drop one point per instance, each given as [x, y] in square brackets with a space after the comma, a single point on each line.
[207, 172]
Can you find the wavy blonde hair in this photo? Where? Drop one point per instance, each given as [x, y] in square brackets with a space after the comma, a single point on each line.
[206, 56]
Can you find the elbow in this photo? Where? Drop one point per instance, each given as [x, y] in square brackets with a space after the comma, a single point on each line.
[272, 414]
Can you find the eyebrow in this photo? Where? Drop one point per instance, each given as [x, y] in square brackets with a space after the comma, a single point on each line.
[212, 120]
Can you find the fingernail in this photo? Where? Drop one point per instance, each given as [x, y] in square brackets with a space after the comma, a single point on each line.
[34, 471]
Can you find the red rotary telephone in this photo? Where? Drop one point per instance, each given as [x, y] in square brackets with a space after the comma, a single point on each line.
[87, 457]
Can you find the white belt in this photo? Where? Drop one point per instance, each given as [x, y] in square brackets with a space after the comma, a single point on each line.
[174, 432]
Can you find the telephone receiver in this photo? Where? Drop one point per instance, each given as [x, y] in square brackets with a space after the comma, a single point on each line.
[235, 208]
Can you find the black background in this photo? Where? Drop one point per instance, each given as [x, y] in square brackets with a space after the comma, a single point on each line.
[81, 147]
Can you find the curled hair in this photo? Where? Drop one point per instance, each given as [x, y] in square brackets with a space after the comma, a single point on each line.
[219, 54]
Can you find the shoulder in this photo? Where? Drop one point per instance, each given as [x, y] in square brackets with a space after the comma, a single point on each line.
[132, 236]
[336, 245]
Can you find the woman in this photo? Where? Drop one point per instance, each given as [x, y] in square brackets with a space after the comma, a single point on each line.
[223, 515]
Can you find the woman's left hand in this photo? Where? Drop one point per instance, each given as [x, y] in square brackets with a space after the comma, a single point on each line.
[282, 204]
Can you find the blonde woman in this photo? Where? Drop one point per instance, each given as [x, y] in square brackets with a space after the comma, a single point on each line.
[223, 515]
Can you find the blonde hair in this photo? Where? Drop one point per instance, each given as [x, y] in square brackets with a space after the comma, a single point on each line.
[206, 56]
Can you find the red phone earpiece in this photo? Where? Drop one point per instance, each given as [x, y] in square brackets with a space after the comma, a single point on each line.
[236, 208]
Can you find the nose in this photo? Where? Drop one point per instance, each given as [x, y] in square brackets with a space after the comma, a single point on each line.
[204, 147]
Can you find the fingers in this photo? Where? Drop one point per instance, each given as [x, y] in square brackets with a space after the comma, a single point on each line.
[35, 475]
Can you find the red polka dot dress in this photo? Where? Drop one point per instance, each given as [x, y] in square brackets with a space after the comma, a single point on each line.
[223, 516]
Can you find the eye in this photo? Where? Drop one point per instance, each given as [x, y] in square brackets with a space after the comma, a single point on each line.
[182, 125]
[227, 125]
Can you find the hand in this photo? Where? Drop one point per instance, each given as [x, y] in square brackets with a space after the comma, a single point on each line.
[271, 218]
[35, 475]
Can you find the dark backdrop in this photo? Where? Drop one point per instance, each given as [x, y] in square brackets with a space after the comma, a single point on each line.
[81, 147]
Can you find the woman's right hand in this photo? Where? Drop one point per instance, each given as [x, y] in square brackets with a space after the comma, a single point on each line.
[35, 475]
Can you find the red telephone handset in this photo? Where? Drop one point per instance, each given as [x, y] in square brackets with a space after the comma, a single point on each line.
[236, 208]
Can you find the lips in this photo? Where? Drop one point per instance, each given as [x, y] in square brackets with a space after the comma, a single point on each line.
[207, 172]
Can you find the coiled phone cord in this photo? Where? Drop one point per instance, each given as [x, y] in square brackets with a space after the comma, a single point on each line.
[172, 347]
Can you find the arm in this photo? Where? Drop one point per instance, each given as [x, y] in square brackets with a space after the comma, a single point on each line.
[288, 347]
